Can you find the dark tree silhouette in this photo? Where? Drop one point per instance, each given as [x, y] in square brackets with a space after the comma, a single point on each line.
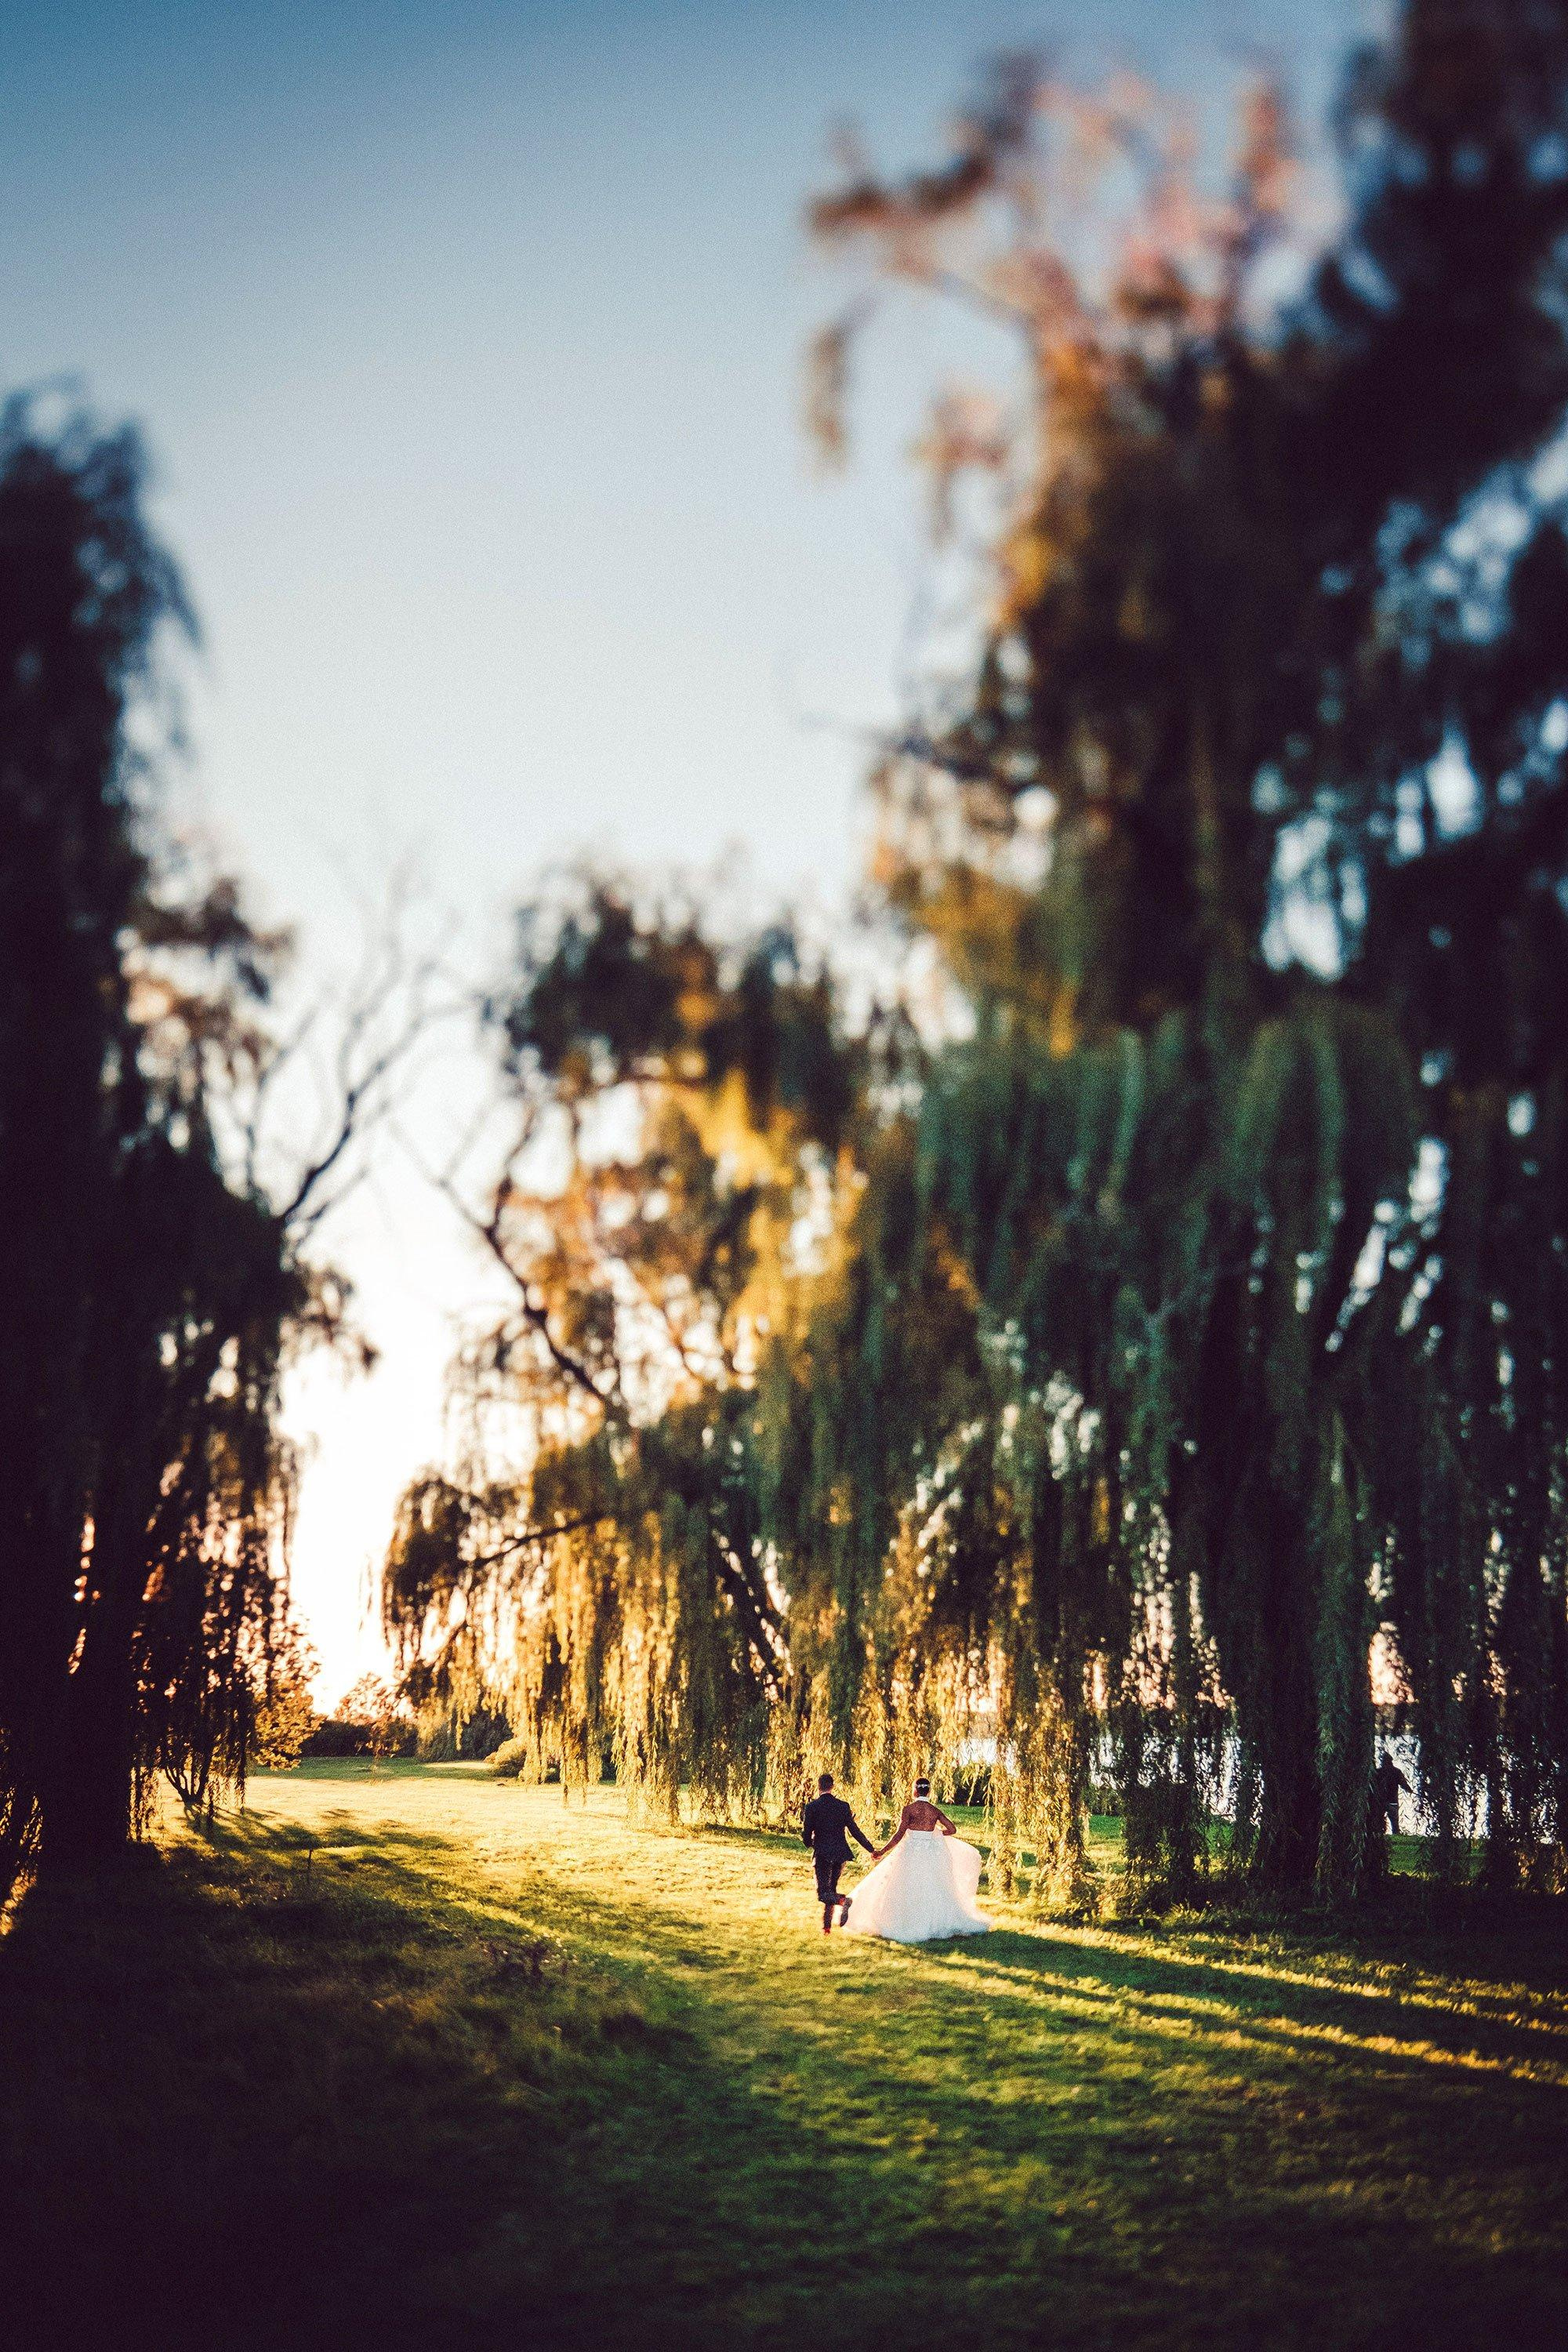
[147, 1291]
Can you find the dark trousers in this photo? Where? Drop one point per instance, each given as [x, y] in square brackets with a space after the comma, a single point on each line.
[828, 1866]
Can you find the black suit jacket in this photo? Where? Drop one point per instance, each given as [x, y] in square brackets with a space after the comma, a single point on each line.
[824, 1822]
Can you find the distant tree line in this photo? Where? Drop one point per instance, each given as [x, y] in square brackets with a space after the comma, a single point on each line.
[370, 1719]
[1144, 1322]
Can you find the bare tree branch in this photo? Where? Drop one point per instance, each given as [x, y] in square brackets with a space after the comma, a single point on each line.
[535, 1314]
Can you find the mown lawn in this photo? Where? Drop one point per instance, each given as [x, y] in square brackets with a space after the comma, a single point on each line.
[421, 2058]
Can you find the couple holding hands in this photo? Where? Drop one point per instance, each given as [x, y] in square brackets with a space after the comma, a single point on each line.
[925, 1879]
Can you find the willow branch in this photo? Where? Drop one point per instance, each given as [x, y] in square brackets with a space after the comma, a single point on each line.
[539, 1536]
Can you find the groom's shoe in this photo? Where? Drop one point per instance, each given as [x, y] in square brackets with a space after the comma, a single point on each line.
[843, 1910]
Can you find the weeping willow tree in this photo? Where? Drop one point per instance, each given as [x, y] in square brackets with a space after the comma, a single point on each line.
[1272, 639]
[683, 1125]
[1134, 1358]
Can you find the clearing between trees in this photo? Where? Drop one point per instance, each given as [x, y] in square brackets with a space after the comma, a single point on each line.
[411, 2055]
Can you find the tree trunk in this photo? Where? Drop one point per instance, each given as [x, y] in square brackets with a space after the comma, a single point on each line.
[1284, 1736]
[1269, 1666]
[88, 1791]
[86, 1797]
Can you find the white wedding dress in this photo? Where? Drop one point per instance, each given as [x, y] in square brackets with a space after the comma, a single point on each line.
[924, 1888]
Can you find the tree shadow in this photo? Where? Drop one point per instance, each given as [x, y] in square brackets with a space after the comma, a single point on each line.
[1257, 1993]
[288, 2084]
[285, 2088]
[781, 1841]
[1186, 2063]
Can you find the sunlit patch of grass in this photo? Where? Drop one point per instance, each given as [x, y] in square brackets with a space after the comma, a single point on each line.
[416, 2056]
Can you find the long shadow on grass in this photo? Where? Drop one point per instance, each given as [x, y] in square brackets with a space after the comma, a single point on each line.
[1242, 1993]
[1250, 1995]
[290, 2086]
[786, 1845]
[248, 2098]
[1168, 2148]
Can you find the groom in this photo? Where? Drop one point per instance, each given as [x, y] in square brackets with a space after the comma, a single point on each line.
[822, 1828]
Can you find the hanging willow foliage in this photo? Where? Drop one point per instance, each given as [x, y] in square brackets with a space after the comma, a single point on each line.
[1115, 1372]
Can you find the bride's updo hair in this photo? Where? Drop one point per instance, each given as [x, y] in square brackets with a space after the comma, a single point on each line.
[923, 1788]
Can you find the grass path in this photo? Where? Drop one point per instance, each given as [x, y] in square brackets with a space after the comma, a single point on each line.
[299, 2085]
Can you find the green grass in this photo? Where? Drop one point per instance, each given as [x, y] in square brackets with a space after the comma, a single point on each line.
[419, 2058]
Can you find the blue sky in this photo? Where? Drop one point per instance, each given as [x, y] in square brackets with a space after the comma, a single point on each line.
[466, 340]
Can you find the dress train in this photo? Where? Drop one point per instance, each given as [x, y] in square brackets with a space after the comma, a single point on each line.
[925, 1889]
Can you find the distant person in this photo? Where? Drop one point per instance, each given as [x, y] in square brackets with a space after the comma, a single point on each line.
[826, 1826]
[1388, 1781]
[925, 1881]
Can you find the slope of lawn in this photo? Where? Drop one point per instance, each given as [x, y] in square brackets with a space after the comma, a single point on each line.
[424, 2058]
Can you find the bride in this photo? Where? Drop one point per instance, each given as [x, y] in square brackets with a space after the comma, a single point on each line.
[924, 1882]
